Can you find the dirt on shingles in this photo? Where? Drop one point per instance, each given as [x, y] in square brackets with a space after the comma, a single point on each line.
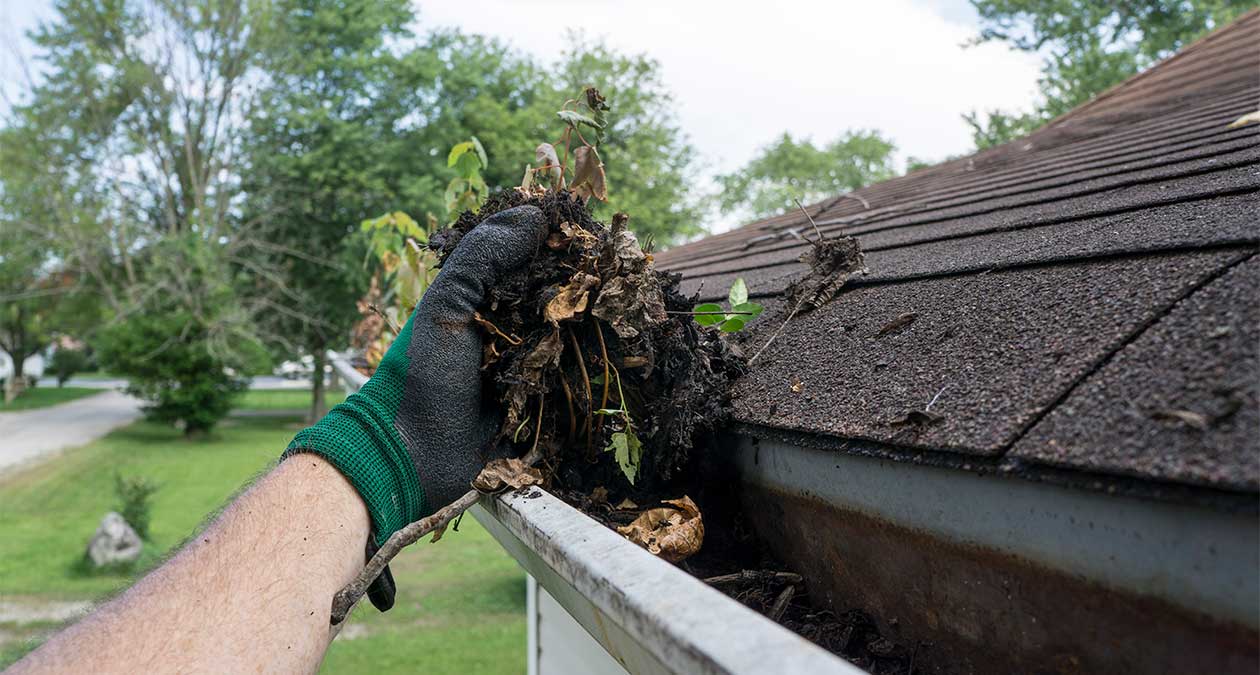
[591, 326]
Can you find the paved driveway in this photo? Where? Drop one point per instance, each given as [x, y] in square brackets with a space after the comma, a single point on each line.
[31, 434]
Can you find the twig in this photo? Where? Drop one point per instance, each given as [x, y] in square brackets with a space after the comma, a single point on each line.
[590, 400]
[568, 398]
[754, 575]
[603, 352]
[388, 321]
[811, 220]
[781, 603]
[533, 450]
[347, 597]
[933, 401]
[677, 311]
[800, 303]
[351, 593]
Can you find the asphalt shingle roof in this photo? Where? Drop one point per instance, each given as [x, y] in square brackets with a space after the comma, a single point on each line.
[1064, 291]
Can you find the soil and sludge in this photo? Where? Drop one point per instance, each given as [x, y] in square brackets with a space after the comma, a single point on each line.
[603, 373]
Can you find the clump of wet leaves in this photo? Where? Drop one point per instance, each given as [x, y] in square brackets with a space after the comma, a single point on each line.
[593, 355]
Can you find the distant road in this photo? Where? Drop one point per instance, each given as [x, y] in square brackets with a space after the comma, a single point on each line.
[260, 382]
[29, 435]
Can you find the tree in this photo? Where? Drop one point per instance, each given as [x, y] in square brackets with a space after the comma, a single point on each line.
[324, 155]
[136, 124]
[789, 169]
[1088, 46]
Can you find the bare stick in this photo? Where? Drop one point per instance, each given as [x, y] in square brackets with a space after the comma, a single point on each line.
[678, 311]
[590, 399]
[351, 593]
[933, 401]
[800, 303]
[781, 603]
[388, 321]
[754, 575]
[603, 351]
[811, 219]
[347, 597]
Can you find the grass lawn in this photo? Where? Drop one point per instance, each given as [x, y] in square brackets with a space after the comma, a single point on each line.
[461, 602]
[285, 399]
[42, 397]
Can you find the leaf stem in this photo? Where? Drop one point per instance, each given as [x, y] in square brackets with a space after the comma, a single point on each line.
[688, 313]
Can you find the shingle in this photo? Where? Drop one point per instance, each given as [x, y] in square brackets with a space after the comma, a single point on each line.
[1005, 346]
[1233, 219]
[1203, 358]
[1229, 173]
[1036, 272]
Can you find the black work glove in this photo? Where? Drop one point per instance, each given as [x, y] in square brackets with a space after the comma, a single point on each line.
[417, 433]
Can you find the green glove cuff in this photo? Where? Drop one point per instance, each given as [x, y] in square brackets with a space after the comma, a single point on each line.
[359, 438]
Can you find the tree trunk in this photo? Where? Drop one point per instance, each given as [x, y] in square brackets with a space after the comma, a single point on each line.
[318, 404]
[17, 382]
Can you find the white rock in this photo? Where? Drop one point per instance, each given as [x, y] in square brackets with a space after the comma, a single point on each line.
[114, 542]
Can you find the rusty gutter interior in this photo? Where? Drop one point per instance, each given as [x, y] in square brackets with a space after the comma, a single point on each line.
[990, 572]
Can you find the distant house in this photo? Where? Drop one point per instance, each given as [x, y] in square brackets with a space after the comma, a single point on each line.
[1029, 438]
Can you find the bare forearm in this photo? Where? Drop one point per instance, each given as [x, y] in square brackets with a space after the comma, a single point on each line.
[250, 593]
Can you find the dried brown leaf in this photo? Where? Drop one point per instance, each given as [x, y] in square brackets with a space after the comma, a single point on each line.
[897, 324]
[916, 418]
[501, 474]
[1190, 418]
[673, 532]
[585, 163]
[545, 155]
[572, 299]
[630, 304]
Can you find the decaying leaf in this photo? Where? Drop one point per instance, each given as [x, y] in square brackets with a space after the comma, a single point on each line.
[501, 474]
[631, 304]
[916, 418]
[1189, 418]
[831, 262]
[571, 299]
[1250, 118]
[674, 532]
[897, 324]
[626, 505]
[545, 355]
[545, 155]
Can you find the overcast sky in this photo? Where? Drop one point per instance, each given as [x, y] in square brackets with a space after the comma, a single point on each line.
[744, 72]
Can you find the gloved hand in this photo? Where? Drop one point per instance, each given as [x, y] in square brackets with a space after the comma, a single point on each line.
[417, 433]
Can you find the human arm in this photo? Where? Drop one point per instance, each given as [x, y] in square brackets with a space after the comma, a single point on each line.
[250, 593]
[255, 590]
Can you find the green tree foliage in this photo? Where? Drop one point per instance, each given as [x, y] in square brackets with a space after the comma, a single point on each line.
[323, 156]
[1087, 46]
[205, 165]
[186, 359]
[66, 362]
[797, 169]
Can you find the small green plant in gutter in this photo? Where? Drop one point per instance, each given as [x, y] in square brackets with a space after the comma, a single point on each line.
[729, 320]
[625, 445]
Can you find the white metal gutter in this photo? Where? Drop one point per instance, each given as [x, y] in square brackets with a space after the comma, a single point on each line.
[648, 615]
[651, 616]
